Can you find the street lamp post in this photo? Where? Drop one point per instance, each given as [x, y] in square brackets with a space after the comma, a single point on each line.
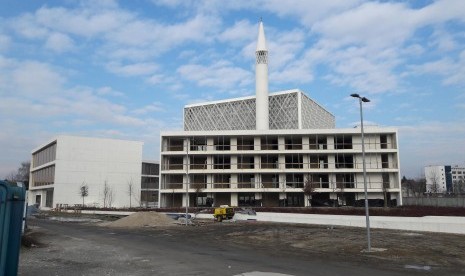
[187, 179]
[367, 214]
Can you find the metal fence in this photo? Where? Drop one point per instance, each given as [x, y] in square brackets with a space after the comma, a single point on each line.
[435, 201]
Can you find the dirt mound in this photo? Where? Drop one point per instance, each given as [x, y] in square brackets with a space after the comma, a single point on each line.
[142, 219]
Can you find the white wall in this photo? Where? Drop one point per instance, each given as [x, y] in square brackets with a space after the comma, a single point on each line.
[428, 224]
[93, 161]
[435, 175]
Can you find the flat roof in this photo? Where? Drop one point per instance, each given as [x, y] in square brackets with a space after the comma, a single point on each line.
[55, 139]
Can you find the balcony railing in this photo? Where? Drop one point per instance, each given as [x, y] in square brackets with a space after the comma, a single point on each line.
[335, 187]
[289, 165]
[286, 146]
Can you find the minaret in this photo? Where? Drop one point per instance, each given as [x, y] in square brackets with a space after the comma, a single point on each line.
[261, 81]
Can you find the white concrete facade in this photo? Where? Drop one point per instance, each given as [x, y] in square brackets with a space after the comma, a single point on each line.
[270, 168]
[438, 179]
[62, 165]
[444, 179]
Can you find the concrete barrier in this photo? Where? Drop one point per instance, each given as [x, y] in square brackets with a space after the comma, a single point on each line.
[454, 225]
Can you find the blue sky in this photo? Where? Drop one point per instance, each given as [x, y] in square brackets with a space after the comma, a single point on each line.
[126, 69]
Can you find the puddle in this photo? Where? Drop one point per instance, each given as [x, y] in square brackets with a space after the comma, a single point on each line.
[260, 273]
[65, 219]
[419, 267]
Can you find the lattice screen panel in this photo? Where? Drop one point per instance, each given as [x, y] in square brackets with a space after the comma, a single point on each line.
[314, 116]
[240, 114]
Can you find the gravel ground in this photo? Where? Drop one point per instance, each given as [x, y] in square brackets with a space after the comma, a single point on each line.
[83, 248]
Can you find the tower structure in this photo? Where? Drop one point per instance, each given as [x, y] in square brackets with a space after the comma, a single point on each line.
[261, 81]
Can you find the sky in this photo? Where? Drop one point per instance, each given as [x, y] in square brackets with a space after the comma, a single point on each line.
[125, 69]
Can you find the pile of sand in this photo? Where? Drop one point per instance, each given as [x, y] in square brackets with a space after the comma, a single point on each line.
[143, 219]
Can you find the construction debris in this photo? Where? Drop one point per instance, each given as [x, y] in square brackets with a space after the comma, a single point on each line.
[142, 219]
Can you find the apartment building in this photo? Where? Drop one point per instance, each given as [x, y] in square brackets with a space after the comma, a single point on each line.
[270, 168]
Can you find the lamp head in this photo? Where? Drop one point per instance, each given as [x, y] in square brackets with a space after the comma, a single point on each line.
[365, 100]
[355, 95]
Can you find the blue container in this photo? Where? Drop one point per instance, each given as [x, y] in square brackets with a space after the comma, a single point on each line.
[11, 220]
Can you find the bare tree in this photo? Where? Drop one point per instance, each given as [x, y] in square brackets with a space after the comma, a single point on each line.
[198, 188]
[83, 191]
[414, 187]
[340, 186]
[21, 174]
[108, 195]
[310, 189]
[459, 186]
[130, 192]
[434, 179]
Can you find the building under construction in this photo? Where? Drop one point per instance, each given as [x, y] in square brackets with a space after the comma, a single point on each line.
[263, 150]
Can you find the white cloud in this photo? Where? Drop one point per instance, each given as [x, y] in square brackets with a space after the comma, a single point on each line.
[241, 31]
[5, 42]
[370, 23]
[85, 22]
[26, 26]
[32, 78]
[135, 69]
[59, 43]
[164, 36]
[443, 40]
[308, 12]
[153, 107]
[108, 91]
[453, 71]
[221, 74]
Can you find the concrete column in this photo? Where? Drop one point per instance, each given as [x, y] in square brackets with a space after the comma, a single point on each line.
[306, 204]
[258, 181]
[331, 161]
[306, 160]
[210, 145]
[282, 162]
[185, 200]
[233, 183]
[234, 199]
[257, 160]
[305, 143]
[282, 181]
[233, 142]
[209, 181]
[256, 143]
[330, 142]
[233, 162]
[281, 143]
[184, 182]
[209, 162]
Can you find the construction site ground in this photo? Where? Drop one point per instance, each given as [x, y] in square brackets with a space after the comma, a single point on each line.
[83, 245]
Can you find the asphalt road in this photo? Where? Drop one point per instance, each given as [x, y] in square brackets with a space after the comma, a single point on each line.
[86, 249]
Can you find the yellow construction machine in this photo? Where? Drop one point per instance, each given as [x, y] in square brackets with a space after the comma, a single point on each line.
[223, 212]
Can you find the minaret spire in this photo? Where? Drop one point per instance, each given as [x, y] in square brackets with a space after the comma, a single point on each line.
[261, 80]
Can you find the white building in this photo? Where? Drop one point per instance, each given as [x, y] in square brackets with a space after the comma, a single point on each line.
[445, 179]
[262, 150]
[62, 165]
[150, 184]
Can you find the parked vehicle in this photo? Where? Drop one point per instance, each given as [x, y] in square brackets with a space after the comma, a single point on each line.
[223, 212]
